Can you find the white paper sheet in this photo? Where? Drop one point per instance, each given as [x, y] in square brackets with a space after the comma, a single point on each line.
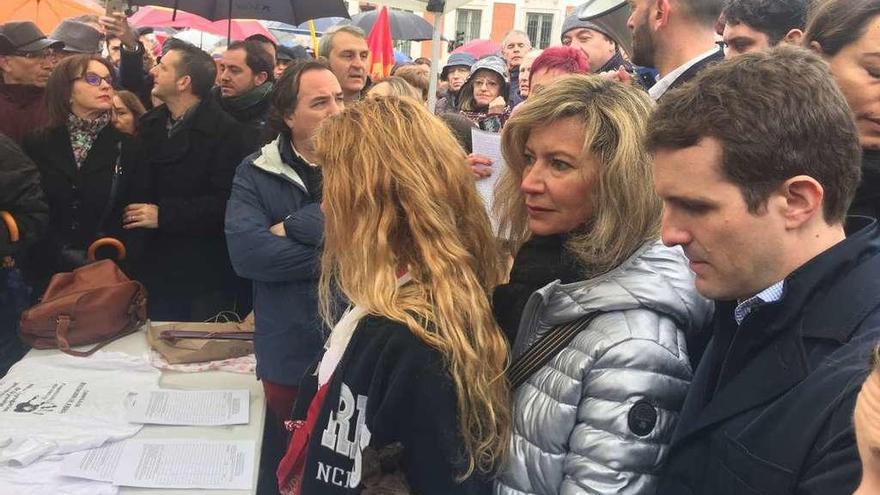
[145, 463]
[488, 144]
[191, 407]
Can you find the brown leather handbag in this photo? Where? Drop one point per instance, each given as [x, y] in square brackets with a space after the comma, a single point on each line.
[94, 304]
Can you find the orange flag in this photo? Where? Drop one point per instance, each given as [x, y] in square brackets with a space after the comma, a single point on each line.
[381, 58]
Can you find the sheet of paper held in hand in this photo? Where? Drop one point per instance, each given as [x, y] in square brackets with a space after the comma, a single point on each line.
[191, 407]
[488, 144]
[148, 463]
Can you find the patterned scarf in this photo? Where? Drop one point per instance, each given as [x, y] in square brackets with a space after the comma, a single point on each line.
[83, 133]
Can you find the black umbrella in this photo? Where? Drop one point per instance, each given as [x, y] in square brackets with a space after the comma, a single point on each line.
[404, 25]
[289, 11]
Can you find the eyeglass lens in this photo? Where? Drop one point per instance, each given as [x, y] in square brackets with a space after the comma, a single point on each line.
[93, 79]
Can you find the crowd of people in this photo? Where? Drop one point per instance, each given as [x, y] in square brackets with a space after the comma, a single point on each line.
[674, 291]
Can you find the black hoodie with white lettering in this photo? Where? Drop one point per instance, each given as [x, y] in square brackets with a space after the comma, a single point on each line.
[389, 421]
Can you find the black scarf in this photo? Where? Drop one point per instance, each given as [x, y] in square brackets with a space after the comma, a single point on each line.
[309, 174]
[541, 260]
[615, 62]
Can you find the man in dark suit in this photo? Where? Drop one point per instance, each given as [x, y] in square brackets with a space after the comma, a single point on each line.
[757, 161]
[677, 37]
[191, 148]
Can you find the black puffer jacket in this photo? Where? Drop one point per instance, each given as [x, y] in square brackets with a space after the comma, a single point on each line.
[20, 195]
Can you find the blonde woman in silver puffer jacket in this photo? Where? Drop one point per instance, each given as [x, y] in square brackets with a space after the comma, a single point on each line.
[578, 200]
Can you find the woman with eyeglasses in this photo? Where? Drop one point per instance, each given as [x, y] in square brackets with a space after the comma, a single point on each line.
[85, 164]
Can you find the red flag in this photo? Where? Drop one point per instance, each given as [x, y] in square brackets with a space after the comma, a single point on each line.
[381, 58]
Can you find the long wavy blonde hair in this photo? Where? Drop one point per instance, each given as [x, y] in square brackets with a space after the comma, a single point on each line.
[626, 210]
[398, 195]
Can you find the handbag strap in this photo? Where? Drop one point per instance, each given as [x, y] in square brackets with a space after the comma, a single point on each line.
[172, 335]
[545, 348]
[62, 327]
[114, 190]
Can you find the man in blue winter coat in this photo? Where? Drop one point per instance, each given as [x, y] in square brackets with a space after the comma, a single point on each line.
[274, 227]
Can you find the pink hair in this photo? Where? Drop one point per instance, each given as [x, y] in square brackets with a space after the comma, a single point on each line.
[565, 58]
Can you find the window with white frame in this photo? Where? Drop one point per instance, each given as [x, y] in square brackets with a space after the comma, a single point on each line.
[468, 22]
[538, 27]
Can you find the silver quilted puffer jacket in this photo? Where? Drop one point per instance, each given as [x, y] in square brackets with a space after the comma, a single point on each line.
[598, 417]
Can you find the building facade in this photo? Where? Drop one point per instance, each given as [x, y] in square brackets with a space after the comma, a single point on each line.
[486, 19]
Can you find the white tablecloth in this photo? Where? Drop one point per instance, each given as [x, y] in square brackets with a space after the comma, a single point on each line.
[136, 344]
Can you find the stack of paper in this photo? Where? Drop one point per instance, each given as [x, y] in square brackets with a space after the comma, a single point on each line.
[167, 464]
[191, 407]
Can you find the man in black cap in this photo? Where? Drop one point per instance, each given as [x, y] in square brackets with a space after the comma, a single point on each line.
[455, 72]
[596, 39]
[25, 62]
[78, 37]
[287, 55]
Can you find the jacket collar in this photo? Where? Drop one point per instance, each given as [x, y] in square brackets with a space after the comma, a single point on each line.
[204, 116]
[655, 278]
[272, 160]
[614, 63]
[852, 268]
[827, 298]
[246, 107]
[21, 95]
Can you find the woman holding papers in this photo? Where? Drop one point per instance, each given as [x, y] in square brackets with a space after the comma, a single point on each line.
[413, 370]
[577, 201]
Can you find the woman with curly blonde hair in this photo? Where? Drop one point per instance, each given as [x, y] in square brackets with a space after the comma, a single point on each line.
[577, 201]
[413, 371]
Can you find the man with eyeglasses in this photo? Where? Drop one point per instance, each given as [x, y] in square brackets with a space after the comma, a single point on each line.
[27, 57]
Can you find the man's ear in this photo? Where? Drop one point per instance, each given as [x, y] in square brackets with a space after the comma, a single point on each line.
[261, 77]
[661, 16]
[802, 198]
[795, 36]
[183, 83]
[288, 120]
[817, 48]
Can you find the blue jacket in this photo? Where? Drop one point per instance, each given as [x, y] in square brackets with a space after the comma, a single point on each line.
[284, 270]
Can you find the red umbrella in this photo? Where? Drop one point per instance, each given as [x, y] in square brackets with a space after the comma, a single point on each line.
[240, 29]
[153, 16]
[479, 48]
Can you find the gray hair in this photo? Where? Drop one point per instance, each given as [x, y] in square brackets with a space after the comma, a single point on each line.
[515, 31]
[326, 43]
